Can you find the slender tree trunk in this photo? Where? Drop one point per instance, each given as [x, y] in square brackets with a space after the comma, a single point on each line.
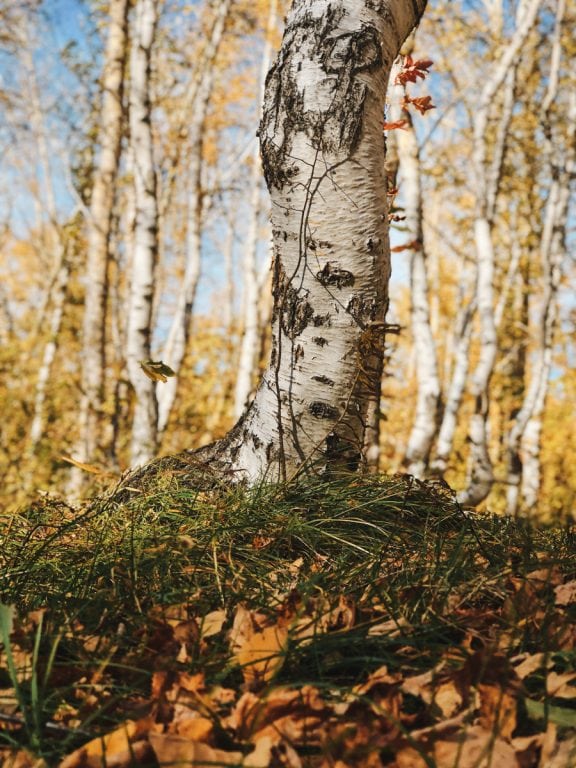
[455, 391]
[179, 333]
[58, 299]
[480, 471]
[524, 438]
[99, 228]
[249, 347]
[138, 335]
[323, 156]
[428, 382]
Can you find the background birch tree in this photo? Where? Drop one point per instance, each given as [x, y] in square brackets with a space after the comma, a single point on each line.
[144, 256]
[99, 225]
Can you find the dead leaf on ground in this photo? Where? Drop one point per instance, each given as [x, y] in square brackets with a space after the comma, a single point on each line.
[565, 594]
[212, 623]
[253, 714]
[258, 646]
[559, 685]
[528, 663]
[113, 750]
[473, 748]
[268, 752]
[497, 710]
[171, 749]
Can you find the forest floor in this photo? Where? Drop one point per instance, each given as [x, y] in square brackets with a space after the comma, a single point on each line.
[356, 623]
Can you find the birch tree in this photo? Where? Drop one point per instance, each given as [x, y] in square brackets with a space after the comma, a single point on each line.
[141, 295]
[179, 333]
[323, 158]
[487, 169]
[425, 425]
[249, 347]
[99, 229]
[523, 445]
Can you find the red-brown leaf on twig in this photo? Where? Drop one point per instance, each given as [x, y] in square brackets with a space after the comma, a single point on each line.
[412, 70]
[422, 103]
[393, 126]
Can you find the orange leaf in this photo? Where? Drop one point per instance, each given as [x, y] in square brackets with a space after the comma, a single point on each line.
[393, 126]
[262, 655]
[422, 103]
[117, 749]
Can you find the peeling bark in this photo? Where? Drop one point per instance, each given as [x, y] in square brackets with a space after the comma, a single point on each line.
[323, 158]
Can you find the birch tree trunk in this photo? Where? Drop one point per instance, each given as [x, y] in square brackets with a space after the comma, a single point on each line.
[179, 333]
[480, 471]
[249, 347]
[455, 391]
[138, 334]
[99, 227]
[428, 382]
[523, 446]
[323, 156]
[58, 299]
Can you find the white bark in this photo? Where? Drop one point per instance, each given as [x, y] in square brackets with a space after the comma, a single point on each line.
[249, 347]
[99, 226]
[480, 471]
[179, 333]
[455, 391]
[144, 424]
[524, 439]
[323, 157]
[425, 421]
[58, 299]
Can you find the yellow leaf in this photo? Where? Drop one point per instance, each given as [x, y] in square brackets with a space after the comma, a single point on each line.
[212, 623]
[262, 655]
[86, 467]
[118, 748]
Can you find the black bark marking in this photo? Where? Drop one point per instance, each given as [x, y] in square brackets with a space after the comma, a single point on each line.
[295, 311]
[329, 275]
[359, 51]
[320, 340]
[322, 410]
[364, 310]
[323, 380]
[334, 129]
[319, 320]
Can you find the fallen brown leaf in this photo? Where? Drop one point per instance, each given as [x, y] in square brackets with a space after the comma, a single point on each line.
[171, 749]
[558, 685]
[565, 593]
[114, 750]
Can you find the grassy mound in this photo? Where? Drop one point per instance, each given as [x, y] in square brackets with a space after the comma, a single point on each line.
[356, 622]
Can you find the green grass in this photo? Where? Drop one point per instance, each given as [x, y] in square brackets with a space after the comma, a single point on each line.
[396, 550]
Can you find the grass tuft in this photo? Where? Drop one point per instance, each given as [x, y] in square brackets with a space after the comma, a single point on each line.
[388, 572]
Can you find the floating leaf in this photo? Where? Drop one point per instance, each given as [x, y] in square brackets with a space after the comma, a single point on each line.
[92, 468]
[156, 370]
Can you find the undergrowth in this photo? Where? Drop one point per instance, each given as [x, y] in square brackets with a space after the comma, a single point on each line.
[406, 579]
